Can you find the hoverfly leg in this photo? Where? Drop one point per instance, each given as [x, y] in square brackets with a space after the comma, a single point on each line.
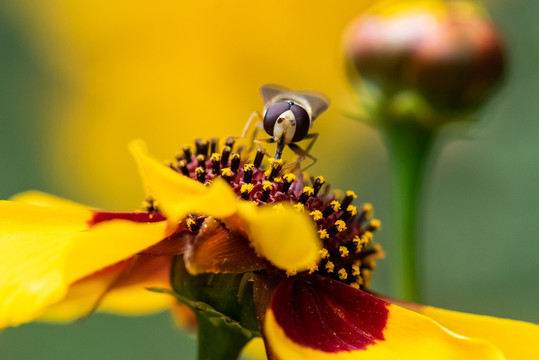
[257, 118]
[259, 142]
[302, 154]
[314, 137]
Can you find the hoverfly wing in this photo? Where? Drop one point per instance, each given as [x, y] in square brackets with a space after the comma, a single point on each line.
[314, 102]
[318, 102]
[272, 93]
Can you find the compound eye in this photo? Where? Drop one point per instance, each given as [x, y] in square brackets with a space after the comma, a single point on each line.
[303, 122]
[273, 113]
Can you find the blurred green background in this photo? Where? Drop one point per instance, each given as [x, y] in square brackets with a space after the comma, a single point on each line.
[480, 236]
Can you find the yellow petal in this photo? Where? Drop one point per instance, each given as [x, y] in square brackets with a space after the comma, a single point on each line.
[130, 295]
[286, 237]
[254, 350]
[35, 241]
[40, 198]
[178, 195]
[46, 248]
[324, 319]
[516, 339]
[84, 295]
[108, 243]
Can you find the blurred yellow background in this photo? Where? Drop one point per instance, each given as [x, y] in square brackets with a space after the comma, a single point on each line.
[79, 79]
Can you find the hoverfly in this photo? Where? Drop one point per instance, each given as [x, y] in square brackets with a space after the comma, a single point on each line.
[287, 117]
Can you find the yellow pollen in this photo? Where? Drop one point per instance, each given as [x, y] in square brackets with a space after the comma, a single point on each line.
[341, 225]
[200, 169]
[366, 238]
[330, 266]
[291, 272]
[278, 162]
[216, 156]
[308, 190]
[376, 224]
[248, 167]
[226, 172]
[336, 205]
[355, 285]
[247, 188]
[344, 251]
[320, 179]
[182, 163]
[278, 206]
[191, 222]
[200, 157]
[289, 177]
[323, 234]
[317, 215]
[343, 275]
[313, 268]
[368, 209]
[324, 253]
[267, 186]
[299, 207]
[351, 209]
[267, 173]
[355, 270]
[278, 180]
[352, 194]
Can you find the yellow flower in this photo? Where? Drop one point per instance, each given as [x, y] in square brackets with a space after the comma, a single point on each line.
[61, 260]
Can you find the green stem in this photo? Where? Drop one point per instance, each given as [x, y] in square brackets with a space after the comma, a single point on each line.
[217, 341]
[409, 147]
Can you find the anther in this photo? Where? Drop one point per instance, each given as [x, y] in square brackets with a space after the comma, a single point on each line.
[201, 174]
[330, 267]
[201, 160]
[343, 251]
[187, 153]
[258, 158]
[324, 253]
[213, 145]
[266, 190]
[350, 196]
[367, 211]
[225, 155]
[235, 162]
[299, 207]
[334, 206]
[192, 225]
[356, 269]
[215, 163]
[230, 143]
[306, 194]
[351, 210]
[171, 165]
[202, 147]
[248, 173]
[275, 170]
[182, 165]
[317, 215]
[225, 174]
[338, 227]
[343, 275]
[207, 182]
[323, 234]
[246, 191]
[317, 185]
[374, 225]
[150, 205]
[288, 180]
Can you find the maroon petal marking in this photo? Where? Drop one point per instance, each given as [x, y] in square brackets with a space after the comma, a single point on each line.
[140, 217]
[327, 315]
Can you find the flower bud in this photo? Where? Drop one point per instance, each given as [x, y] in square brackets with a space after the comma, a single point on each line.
[448, 55]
